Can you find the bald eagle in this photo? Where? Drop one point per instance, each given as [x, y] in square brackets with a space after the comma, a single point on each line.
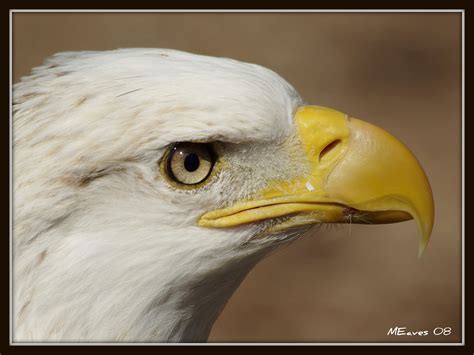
[148, 182]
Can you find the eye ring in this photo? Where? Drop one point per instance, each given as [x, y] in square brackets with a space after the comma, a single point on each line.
[189, 163]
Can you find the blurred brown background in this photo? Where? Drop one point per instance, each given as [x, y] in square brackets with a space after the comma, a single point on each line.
[399, 71]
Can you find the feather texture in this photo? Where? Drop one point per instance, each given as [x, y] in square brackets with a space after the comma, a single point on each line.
[104, 248]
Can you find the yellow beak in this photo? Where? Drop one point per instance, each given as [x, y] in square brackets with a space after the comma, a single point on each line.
[358, 174]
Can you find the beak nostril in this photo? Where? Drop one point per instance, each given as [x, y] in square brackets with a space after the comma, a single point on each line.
[327, 149]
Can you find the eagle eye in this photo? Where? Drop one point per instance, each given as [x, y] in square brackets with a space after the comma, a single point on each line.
[190, 163]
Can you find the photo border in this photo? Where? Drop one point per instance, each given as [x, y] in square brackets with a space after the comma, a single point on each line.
[311, 344]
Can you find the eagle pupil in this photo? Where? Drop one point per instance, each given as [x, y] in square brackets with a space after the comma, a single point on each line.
[191, 162]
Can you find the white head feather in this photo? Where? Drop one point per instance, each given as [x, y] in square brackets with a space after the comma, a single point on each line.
[104, 248]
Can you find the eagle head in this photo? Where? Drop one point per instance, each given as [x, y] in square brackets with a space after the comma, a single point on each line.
[148, 182]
